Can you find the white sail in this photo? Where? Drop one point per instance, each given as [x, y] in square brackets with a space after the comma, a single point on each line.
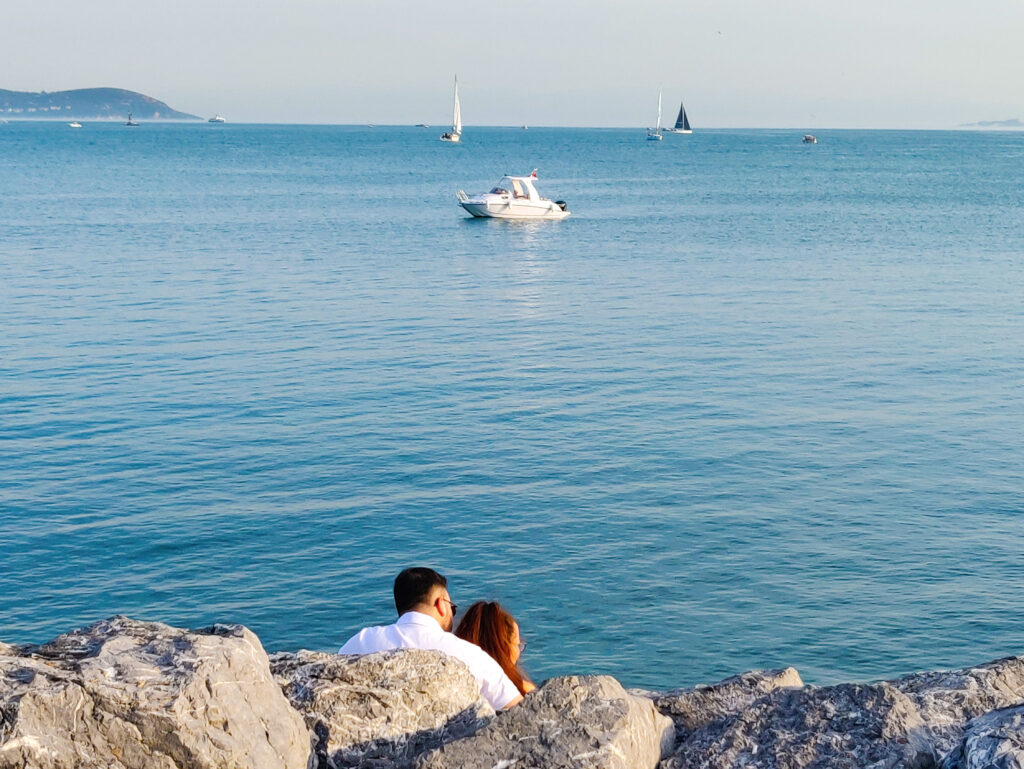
[658, 129]
[457, 111]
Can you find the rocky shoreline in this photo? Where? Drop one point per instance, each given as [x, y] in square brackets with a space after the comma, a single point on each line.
[126, 694]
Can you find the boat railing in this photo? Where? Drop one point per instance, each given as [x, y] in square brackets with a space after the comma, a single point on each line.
[462, 196]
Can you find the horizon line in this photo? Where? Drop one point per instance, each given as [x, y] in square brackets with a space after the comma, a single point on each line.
[517, 126]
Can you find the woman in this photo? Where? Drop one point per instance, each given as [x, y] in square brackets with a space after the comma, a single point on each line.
[492, 628]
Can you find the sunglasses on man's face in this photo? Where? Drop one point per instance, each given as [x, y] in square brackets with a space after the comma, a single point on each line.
[455, 607]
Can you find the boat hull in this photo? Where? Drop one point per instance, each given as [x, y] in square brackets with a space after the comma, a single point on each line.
[484, 210]
[679, 131]
[455, 138]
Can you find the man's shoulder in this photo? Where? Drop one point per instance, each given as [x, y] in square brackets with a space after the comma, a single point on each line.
[367, 640]
[468, 652]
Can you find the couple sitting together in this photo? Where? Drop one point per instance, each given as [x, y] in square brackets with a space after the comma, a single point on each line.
[487, 638]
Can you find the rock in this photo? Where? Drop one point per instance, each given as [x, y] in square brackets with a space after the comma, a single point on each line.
[574, 722]
[906, 723]
[948, 700]
[851, 726]
[691, 709]
[993, 741]
[123, 694]
[388, 706]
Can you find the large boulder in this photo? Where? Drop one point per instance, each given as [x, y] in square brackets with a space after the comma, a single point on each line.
[948, 700]
[692, 708]
[383, 707]
[992, 741]
[850, 726]
[123, 694]
[575, 722]
[907, 723]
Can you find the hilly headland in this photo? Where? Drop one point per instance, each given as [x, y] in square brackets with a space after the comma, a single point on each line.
[86, 104]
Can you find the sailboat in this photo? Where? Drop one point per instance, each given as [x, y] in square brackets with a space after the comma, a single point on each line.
[456, 133]
[682, 123]
[655, 135]
[130, 121]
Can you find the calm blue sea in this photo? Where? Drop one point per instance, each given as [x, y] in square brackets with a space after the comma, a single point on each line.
[754, 404]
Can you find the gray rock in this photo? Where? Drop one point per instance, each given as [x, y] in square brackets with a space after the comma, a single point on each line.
[850, 726]
[123, 694]
[948, 700]
[690, 709]
[574, 722]
[906, 723]
[993, 741]
[383, 707]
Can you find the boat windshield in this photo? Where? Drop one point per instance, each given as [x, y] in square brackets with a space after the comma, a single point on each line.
[504, 186]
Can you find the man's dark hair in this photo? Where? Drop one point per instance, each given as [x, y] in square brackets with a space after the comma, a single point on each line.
[413, 586]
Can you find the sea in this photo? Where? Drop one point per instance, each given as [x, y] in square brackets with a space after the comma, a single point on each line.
[756, 403]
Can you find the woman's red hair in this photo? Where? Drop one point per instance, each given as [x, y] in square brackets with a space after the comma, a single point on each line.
[490, 627]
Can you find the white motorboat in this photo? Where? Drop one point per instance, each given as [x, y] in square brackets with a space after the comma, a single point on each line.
[513, 197]
[810, 139]
[655, 135]
[456, 133]
[216, 119]
[682, 125]
[74, 124]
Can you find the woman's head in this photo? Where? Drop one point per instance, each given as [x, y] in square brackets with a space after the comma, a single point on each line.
[490, 627]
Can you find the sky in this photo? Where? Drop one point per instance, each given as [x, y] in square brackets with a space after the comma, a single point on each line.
[735, 63]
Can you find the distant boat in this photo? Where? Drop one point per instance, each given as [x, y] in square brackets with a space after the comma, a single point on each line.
[655, 135]
[216, 119]
[423, 125]
[513, 197]
[810, 139]
[526, 127]
[130, 121]
[455, 134]
[74, 124]
[682, 125]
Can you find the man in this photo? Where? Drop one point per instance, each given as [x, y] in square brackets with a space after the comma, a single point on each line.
[426, 615]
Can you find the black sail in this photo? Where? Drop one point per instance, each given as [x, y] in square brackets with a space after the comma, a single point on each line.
[686, 123]
[681, 119]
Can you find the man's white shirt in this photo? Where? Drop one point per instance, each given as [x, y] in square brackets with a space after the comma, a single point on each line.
[420, 631]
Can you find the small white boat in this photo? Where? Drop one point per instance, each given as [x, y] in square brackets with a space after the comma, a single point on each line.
[682, 125]
[455, 134]
[810, 139]
[130, 121]
[513, 197]
[655, 135]
[74, 124]
[216, 119]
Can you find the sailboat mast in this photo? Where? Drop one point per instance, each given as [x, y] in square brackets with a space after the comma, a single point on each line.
[456, 110]
[659, 111]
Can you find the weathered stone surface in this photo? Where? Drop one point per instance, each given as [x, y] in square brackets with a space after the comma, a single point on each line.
[836, 727]
[574, 722]
[907, 723]
[123, 694]
[993, 741]
[382, 707]
[948, 700]
[690, 709]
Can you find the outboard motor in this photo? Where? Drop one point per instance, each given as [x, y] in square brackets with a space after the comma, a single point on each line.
[561, 204]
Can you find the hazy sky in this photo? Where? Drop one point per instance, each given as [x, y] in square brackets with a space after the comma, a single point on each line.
[767, 63]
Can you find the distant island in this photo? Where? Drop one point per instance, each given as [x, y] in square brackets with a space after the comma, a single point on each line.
[1011, 123]
[86, 104]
